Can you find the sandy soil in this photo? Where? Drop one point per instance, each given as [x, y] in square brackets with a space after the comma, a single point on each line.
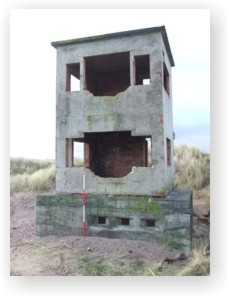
[71, 255]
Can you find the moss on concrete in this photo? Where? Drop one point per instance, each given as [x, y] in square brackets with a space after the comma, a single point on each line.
[146, 205]
[62, 215]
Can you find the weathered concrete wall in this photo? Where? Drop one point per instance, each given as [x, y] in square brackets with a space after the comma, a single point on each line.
[138, 109]
[168, 118]
[111, 99]
[172, 216]
[145, 110]
[80, 112]
[138, 182]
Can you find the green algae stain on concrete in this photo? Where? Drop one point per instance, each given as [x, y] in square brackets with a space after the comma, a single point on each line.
[90, 120]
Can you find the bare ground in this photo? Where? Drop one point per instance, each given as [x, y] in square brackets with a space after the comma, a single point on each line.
[52, 255]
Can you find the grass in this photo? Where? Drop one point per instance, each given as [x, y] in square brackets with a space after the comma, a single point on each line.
[100, 267]
[97, 267]
[41, 180]
[199, 264]
[27, 166]
[31, 175]
[192, 168]
[192, 171]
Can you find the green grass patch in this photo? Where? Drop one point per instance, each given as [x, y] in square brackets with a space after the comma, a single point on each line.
[97, 267]
[100, 267]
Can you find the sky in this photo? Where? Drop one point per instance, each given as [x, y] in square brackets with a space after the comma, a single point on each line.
[33, 69]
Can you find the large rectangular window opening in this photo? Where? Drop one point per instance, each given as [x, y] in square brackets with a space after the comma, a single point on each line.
[166, 78]
[114, 154]
[168, 144]
[142, 70]
[109, 154]
[73, 77]
[107, 75]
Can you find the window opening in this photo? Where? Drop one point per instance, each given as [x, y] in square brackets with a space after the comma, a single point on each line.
[148, 223]
[78, 153]
[148, 151]
[114, 154]
[142, 70]
[168, 143]
[101, 220]
[69, 153]
[73, 77]
[74, 153]
[166, 78]
[123, 221]
[107, 75]
[109, 154]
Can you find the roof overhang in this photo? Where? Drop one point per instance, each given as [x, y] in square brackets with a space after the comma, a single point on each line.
[151, 30]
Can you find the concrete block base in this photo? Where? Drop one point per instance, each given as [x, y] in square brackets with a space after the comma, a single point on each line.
[167, 219]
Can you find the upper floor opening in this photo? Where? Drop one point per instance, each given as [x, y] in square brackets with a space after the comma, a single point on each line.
[107, 75]
[73, 77]
[110, 74]
[109, 154]
[142, 70]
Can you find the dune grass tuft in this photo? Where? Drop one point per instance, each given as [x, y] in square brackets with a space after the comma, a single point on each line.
[199, 264]
[31, 175]
[28, 166]
[192, 168]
